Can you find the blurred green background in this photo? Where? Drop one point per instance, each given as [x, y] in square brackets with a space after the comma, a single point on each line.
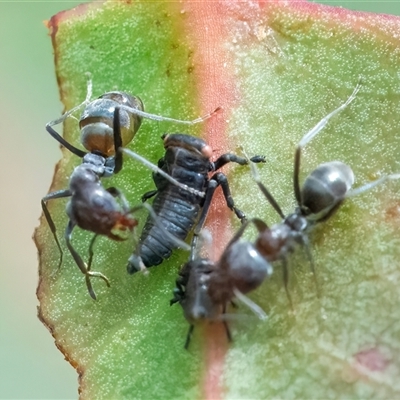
[30, 365]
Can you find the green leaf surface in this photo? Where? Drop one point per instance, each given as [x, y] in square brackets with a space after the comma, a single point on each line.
[276, 68]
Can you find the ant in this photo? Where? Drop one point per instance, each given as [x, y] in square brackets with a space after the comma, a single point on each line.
[204, 288]
[322, 193]
[93, 207]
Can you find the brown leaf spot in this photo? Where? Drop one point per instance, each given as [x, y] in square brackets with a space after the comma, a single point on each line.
[392, 213]
[372, 359]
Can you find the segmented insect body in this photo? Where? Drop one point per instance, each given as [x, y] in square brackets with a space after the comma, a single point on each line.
[107, 124]
[192, 291]
[93, 207]
[97, 119]
[178, 208]
[321, 195]
[187, 159]
[205, 288]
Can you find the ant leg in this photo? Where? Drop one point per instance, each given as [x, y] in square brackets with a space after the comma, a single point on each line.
[369, 186]
[57, 136]
[118, 160]
[194, 245]
[213, 184]
[310, 135]
[306, 245]
[51, 196]
[154, 117]
[189, 336]
[79, 262]
[149, 195]
[257, 310]
[201, 241]
[285, 270]
[259, 224]
[225, 323]
[228, 332]
[229, 157]
[91, 253]
[119, 195]
[264, 190]
[159, 171]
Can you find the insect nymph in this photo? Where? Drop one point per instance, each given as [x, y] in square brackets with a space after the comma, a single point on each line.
[186, 159]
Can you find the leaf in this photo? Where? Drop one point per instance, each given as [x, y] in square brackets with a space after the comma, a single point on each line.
[276, 68]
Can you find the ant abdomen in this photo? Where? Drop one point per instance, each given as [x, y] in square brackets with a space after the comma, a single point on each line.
[247, 268]
[325, 188]
[96, 122]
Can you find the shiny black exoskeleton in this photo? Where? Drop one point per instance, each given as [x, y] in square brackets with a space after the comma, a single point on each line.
[321, 195]
[187, 159]
[107, 125]
[93, 207]
[205, 288]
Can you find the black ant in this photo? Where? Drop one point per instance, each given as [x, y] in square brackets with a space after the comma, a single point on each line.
[187, 159]
[92, 207]
[205, 288]
[322, 193]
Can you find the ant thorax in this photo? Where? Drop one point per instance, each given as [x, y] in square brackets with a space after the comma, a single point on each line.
[282, 238]
[96, 163]
[82, 176]
[296, 221]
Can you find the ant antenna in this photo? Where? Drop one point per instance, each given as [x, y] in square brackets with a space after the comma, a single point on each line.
[159, 171]
[199, 241]
[311, 134]
[57, 136]
[161, 118]
[264, 190]
[321, 124]
[370, 185]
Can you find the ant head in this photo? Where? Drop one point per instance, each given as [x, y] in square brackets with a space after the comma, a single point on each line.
[123, 224]
[325, 188]
[96, 122]
[197, 304]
